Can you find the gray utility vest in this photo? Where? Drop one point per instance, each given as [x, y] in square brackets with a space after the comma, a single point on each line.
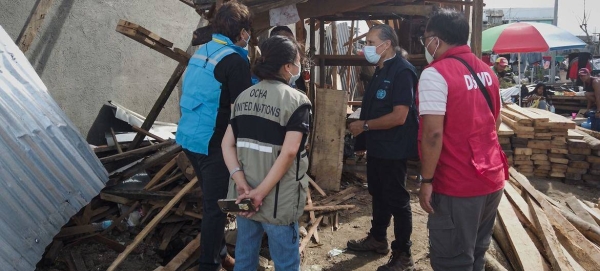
[258, 119]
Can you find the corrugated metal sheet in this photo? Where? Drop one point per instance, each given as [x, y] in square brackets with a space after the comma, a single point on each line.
[343, 35]
[47, 170]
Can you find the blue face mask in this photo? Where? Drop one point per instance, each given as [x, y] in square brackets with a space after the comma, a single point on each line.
[371, 53]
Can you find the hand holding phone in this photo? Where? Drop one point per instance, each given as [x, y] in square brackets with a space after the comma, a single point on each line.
[229, 205]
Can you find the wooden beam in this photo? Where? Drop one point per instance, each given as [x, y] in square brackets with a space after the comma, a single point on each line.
[159, 104]
[137, 152]
[528, 255]
[578, 209]
[410, 10]
[33, 24]
[584, 251]
[114, 137]
[140, 130]
[477, 27]
[451, 2]
[183, 255]
[177, 55]
[151, 225]
[311, 231]
[548, 238]
[316, 8]
[161, 173]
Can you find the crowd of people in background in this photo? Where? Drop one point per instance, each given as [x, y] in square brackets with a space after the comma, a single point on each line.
[246, 141]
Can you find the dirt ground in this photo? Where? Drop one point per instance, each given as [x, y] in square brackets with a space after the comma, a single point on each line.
[354, 224]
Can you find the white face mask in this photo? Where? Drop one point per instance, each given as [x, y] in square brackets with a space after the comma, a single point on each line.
[371, 53]
[294, 77]
[247, 40]
[429, 56]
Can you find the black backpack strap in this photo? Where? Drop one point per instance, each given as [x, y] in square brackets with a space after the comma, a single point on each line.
[482, 87]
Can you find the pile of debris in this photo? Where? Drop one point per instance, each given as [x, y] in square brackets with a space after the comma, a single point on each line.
[534, 232]
[155, 193]
[549, 145]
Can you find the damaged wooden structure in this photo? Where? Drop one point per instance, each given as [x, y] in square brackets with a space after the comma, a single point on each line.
[168, 198]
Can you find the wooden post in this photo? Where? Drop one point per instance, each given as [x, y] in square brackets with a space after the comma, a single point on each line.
[322, 53]
[159, 104]
[33, 24]
[477, 27]
[300, 37]
[348, 68]
[151, 225]
[313, 51]
[334, 44]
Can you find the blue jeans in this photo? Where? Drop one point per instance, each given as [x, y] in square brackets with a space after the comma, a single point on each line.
[283, 245]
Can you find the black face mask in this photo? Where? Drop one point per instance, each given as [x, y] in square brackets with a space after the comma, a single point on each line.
[202, 35]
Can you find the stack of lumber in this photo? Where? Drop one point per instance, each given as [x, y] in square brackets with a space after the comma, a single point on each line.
[505, 134]
[584, 155]
[540, 141]
[158, 183]
[534, 232]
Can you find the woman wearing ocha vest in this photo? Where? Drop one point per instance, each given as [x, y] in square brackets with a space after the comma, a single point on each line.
[264, 152]
[217, 73]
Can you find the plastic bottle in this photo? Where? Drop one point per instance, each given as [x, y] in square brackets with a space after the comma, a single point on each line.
[102, 225]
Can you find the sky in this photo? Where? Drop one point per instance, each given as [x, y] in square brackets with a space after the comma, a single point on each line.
[569, 11]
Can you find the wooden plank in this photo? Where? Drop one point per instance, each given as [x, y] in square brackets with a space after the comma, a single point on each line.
[114, 198]
[503, 242]
[589, 132]
[584, 251]
[594, 212]
[591, 141]
[168, 235]
[183, 255]
[33, 24]
[549, 240]
[309, 203]
[317, 187]
[505, 130]
[160, 103]
[167, 182]
[518, 118]
[578, 209]
[477, 25]
[184, 164]
[328, 146]
[148, 42]
[146, 32]
[161, 173]
[148, 134]
[537, 118]
[137, 152]
[528, 255]
[114, 137]
[151, 225]
[572, 134]
[311, 231]
[521, 205]
[329, 208]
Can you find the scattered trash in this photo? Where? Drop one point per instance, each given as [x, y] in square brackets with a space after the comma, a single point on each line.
[102, 225]
[335, 252]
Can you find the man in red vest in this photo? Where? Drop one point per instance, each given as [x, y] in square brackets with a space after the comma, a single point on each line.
[463, 166]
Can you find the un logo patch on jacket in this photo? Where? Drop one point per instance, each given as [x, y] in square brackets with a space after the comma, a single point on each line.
[381, 94]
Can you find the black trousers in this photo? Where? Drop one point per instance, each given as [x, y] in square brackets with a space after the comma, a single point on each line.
[387, 185]
[214, 180]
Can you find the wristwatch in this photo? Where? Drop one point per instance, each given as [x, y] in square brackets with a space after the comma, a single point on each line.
[366, 126]
[423, 180]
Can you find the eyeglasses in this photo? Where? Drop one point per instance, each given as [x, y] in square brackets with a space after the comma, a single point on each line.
[424, 38]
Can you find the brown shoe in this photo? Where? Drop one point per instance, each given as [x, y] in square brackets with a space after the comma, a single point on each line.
[369, 243]
[228, 262]
[399, 261]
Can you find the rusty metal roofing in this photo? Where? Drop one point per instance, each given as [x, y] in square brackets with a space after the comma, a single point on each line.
[47, 170]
